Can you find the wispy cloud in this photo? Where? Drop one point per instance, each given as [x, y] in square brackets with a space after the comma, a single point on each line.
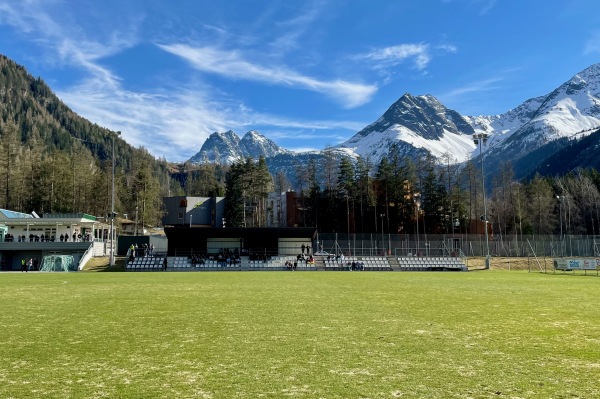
[391, 56]
[63, 42]
[447, 48]
[487, 5]
[290, 31]
[592, 46]
[472, 87]
[174, 124]
[170, 122]
[233, 65]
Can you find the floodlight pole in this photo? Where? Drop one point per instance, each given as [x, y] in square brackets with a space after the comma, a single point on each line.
[560, 201]
[112, 205]
[417, 200]
[381, 215]
[480, 139]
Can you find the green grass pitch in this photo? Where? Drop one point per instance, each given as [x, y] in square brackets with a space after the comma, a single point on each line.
[483, 334]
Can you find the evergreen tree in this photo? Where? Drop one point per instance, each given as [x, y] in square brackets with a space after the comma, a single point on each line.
[345, 187]
[234, 196]
[9, 162]
[540, 205]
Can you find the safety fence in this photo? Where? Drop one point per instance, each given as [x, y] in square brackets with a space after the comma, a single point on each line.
[457, 245]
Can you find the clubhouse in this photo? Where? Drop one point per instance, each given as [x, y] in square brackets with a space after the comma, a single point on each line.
[29, 236]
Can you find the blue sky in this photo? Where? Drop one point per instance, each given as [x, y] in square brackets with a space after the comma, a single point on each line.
[306, 74]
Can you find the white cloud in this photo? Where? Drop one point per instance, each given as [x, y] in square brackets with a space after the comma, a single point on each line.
[391, 56]
[65, 42]
[473, 87]
[448, 48]
[291, 30]
[478, 86]
[172, 122]
[231, 64]
[176, 123]
[172, 125]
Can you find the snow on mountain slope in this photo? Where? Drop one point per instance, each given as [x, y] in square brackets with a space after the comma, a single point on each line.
[418, 122]
[376, 146]
[227, 148]
[501, 127]
[421, 124]
[254, 144]
[573, 109]
[219, 148]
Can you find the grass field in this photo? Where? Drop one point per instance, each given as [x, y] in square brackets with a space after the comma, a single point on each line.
[482, 334]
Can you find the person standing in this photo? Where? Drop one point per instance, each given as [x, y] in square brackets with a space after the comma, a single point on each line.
[303, 247]
[165, 263]
[29, 265]
[22, 265]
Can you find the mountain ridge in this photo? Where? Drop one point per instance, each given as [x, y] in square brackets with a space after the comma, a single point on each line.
[422, 124]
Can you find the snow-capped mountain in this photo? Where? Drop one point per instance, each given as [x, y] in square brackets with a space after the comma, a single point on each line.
[416, 124]
[254, 144]
[571, 111]
[500, 127]
[525, 135]
[227, 147]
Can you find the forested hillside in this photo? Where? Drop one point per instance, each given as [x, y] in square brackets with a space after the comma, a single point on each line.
[54, 161]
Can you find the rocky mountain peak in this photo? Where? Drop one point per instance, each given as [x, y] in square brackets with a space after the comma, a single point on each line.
[227, 147]
[255, 145]
[219, 147]
[421, 124]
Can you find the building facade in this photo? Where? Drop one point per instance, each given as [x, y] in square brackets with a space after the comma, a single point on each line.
[194, 211]
[28, 236]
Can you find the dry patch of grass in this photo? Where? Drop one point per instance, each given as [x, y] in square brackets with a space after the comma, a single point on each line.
[102, 264]
[303, 335]
[512, 263]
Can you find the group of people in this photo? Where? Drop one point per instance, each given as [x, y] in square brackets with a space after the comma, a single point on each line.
[32, 238]
[291, 265]
[308, 259]
[224, 258]
[75, 237]
[305, 248]
[143, 251]
[47, 238]
[31, 264]
[339, 258]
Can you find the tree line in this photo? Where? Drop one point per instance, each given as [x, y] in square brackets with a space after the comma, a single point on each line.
[54, 161]
[399, 195]
[74, 180]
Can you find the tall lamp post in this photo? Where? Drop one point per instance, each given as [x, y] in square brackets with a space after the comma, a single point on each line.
[560, 201]
[480, 139]
[417, 200]
[112, 205]
[382, 215]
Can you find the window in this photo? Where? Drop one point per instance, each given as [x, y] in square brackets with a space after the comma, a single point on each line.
[180, 215]
[183, 203]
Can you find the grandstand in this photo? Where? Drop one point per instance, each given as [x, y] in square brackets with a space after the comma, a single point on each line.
[285, 262]
[362, 263]
[435, 263]
[184, 263]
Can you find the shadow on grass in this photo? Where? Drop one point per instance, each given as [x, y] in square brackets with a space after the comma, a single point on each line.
[102, 264]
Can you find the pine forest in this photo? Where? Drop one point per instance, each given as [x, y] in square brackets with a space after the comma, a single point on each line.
[54, 161]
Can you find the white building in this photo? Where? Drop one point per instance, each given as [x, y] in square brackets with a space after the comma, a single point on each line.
[25, 235]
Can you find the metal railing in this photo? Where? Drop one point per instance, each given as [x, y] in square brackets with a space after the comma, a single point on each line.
[454, 245]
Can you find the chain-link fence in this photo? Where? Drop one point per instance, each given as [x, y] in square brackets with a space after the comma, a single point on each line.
[453, 245]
